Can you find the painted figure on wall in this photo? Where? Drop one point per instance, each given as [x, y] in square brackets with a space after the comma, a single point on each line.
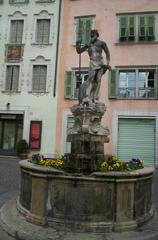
[89, 90]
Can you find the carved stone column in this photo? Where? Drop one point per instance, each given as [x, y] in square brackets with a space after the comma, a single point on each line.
[87, 137]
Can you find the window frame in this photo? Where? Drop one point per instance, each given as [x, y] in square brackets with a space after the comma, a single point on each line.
[43, 15]
[19, 80]
[11, 26]
[74, 71]
[137, 70]
[13, 2]
[17, 16]
[40, 60]
[137, 17]
[39, 91]
[84, 18]
[127, 88]
[38, 32]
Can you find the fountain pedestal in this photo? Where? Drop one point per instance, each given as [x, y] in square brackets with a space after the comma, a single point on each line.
[87, 137]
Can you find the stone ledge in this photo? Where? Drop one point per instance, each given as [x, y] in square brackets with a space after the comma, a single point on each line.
[25, 164]
[134, 173]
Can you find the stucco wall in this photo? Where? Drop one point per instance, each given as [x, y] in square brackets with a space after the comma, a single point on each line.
[41, 106]
[106, 14]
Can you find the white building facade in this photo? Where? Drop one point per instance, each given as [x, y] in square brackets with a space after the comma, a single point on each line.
[28, 73]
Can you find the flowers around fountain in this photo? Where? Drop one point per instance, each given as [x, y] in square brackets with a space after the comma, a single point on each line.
[40, 159]
[113, 163]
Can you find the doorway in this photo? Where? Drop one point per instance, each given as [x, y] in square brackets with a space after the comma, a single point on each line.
[11, 131]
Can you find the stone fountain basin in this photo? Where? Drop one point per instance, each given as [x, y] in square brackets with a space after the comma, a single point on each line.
[99, 202]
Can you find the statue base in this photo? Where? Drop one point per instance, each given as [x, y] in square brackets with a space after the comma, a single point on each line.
[87, 138]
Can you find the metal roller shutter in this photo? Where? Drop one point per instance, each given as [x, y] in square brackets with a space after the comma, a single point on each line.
[136, 138]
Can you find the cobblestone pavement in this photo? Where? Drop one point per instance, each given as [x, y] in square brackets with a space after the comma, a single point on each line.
[9, 184]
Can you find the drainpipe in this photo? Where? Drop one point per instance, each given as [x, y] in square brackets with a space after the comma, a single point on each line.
[57, 48]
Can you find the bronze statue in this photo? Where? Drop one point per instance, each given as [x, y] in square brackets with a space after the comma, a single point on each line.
[89, 90]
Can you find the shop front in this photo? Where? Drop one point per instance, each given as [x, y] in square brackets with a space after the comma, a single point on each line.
[11, 131]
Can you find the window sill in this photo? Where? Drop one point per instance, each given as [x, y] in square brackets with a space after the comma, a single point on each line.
[11, 92]
[71, 99]
[135, 99]
[38, 93]
[47, 1]
[21, 3]
[42, 44]
[15, 44]
[135, 43]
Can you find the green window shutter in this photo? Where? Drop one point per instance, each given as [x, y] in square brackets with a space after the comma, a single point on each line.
[142, 28]
[88, 30]
[112, 87]
[150, 27]
[79, 30]
[131, 28]
[123, 28]
[69, 84]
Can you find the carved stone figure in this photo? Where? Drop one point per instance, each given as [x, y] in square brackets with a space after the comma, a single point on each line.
[89, 90]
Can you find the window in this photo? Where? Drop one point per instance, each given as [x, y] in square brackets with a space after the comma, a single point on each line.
[12, 78]
[136, 28]
[43, 31]
[18, 1]
[43, 28]
[146, 28]
[16, 32]
[39, 78]
[127, 28]
[83, 28]
[134, 83]
[146, 83]
[73, 80]
[127, 84]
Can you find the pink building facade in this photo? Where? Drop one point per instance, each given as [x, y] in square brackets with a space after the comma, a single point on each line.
[130, 91]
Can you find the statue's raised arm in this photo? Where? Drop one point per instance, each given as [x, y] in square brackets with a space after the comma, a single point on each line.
[80, 48]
